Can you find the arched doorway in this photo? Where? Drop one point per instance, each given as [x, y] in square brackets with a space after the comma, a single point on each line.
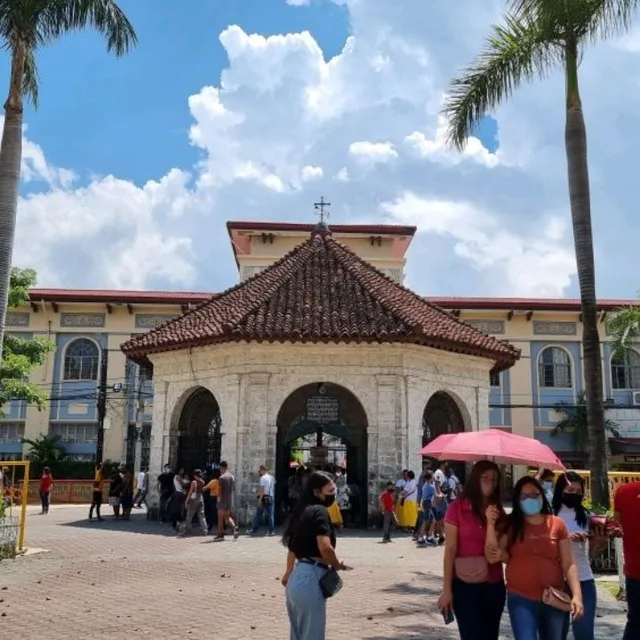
[442, 415]
[199, 432]
[323, 426]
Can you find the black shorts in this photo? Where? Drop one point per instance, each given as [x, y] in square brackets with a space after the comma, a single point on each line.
[96, 497]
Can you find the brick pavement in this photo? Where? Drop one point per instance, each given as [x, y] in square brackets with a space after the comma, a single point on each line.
[100, 580]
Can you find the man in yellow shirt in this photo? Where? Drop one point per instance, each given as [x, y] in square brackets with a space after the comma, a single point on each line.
[96, 496]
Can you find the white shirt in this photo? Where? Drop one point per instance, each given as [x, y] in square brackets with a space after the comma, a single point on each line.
[580, 549]
[140, 480]
[268, 484]
[410, 491]
[438, 477]
[178, 484]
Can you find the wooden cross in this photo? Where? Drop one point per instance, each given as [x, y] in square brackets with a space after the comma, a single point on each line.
[320, 207]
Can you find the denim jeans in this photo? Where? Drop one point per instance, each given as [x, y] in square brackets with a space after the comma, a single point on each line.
[584, 628]
[533, 620]
[44, 501]
[632, 630]
[306, 606]
[261, 512]
[478, 609]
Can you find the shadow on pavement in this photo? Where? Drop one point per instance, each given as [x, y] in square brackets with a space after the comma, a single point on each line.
[138, 523]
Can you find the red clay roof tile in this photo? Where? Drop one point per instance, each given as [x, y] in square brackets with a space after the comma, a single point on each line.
[321, 291]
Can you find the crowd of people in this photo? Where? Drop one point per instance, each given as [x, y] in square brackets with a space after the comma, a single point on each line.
[533, 560]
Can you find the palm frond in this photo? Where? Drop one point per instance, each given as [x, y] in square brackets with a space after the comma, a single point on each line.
[58, 17]
[610, 17]
[624, 327]
[516, 51]
[31, 78]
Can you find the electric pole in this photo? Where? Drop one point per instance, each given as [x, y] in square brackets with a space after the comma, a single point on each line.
[137, 460]
[102, 405]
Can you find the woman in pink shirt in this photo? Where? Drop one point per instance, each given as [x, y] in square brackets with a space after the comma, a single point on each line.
[473, 589]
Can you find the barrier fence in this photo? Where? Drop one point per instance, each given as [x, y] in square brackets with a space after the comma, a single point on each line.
[13, 508]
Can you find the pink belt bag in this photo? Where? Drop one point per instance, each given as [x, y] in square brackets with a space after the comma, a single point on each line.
[472, 570]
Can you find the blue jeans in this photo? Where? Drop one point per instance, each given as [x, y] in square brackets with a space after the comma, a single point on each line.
[306, 606]
[632, 630]
[533, 620]
[584, 628]
[261, 512]
[478, 609]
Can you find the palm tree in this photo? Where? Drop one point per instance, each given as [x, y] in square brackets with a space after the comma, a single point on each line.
[537, 37]
[575, 422]
[25, 27]
[624, 327]
[45, 450]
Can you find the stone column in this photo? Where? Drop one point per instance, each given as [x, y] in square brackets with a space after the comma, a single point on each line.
[252, 440]
[415, 413]
[230, 411]
[160, 429]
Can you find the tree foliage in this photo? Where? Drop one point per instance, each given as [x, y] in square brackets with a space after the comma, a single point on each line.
[623, 325]
[21, 357]
[45, 450]
[575, 423]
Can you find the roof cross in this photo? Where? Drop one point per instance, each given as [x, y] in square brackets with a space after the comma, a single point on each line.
[320, 207]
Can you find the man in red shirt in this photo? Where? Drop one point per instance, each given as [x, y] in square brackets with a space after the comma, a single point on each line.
[626, 505]
[387, 502]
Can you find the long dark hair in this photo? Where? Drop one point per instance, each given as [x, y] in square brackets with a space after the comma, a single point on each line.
[561, 484]
[317, 480]
[515, 523]
[473, 493]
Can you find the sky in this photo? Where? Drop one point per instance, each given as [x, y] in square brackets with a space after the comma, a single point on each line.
[253, 109]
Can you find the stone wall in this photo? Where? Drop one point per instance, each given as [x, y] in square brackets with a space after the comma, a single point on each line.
[251, 382]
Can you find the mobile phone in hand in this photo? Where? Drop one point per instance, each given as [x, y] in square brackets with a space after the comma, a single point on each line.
[448, 616]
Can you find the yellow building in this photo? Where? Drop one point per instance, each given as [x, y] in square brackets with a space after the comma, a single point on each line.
[85, 324]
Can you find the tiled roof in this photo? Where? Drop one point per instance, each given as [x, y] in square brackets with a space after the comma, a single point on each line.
[529, 304]
[117, 296]
[320, 292]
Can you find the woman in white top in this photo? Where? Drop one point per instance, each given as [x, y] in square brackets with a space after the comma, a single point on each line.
[567, 505]
[407, 508]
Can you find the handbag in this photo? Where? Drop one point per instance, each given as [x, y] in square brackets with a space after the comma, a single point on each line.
[556, 599]
[330, 583]
[472, 570]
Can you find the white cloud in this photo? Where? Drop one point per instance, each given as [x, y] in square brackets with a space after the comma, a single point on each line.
[532, 265]
[298, 3]
[437, 149]
[373, 151]
[310, 172]
[284, 124]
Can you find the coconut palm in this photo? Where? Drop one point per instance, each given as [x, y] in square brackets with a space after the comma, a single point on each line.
[624, 327]
[25, 27]
[536, 38]
[574, 422]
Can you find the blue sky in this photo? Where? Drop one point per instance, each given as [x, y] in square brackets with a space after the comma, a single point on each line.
[205, 122]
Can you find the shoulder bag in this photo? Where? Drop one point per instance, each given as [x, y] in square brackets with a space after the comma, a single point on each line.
[330, 583]
[472, 570]
[557, 599]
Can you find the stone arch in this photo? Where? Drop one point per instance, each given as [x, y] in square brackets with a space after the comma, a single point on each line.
[196, 431]
[328, 424]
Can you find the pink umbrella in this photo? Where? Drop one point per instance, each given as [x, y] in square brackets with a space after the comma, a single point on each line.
[496, 445]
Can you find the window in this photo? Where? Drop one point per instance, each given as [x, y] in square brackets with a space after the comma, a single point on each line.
[554, 368]
[625, 370]
[11, 431]
[81, 360]
[75, 432]
[494, 379]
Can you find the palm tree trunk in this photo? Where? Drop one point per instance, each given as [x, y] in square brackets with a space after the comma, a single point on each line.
[10, 160]
[580, 199]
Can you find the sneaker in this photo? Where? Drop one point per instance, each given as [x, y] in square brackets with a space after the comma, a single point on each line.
[218, 538]
[236, 533]
[270, 534]
[431, 540]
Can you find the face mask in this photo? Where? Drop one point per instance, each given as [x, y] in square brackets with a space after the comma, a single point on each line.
[572, 500]
[531, 506]
[329, 499]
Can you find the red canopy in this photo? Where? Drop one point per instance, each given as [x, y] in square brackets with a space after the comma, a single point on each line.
[496, 445]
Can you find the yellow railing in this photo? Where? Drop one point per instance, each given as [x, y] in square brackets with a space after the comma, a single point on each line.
[616, 478]
[14, 491]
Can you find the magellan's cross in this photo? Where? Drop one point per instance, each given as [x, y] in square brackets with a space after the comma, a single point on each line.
[321, 207]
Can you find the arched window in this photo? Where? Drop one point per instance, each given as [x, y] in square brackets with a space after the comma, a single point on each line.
[554, 368]
[625, 370]
[81, 360]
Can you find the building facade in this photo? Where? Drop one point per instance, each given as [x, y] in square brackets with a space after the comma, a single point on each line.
[84, 325]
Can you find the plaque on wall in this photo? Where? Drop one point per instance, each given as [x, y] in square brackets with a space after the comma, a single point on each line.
[82, 320]
[488, 326]
[541, 328]
[323, 409]
[152, 320]
[17, 319]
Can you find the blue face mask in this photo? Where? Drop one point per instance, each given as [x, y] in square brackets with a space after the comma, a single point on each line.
[531, 506]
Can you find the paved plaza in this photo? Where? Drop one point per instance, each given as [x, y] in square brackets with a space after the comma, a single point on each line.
[103, 580]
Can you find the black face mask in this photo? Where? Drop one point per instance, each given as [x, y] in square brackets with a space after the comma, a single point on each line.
[572, 500]
[329, 499]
